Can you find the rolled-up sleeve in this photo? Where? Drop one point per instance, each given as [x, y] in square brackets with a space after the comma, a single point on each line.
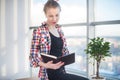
[34, 50]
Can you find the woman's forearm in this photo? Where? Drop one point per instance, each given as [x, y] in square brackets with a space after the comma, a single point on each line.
[51, 65]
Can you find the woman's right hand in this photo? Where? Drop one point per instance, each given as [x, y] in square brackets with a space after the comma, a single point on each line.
[51, 65]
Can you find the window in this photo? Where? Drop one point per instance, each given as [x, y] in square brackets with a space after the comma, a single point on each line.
[111, 66]
[107, 13]
[106, 10]
[105, 16]
[76, 40]
[73, 11]
[37, 14]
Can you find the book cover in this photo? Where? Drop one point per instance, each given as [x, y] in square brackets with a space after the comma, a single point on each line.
[67, 59]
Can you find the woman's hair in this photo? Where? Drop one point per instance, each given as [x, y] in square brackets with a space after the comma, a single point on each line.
[51, 4]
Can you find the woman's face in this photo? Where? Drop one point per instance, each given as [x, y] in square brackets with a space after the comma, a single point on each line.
[52, 15]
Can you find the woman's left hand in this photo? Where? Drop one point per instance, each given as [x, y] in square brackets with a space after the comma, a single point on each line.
[51, 65]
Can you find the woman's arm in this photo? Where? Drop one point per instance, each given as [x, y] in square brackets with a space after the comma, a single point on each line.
[50, 65]
[34, 57]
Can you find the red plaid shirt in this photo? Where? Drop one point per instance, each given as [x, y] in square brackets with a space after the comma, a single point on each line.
[41, 43]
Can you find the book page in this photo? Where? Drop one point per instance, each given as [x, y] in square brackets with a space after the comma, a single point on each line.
[49, 55]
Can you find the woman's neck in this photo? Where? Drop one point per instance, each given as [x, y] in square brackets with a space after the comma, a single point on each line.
[51, 27]
[53, 30]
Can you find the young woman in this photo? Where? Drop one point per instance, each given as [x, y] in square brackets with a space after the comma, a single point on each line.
[49, 39]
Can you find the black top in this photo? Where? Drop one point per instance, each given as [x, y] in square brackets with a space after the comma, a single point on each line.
[56, 45]
[56, 50]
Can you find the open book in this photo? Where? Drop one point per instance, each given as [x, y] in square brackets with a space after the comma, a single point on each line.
[67, 59]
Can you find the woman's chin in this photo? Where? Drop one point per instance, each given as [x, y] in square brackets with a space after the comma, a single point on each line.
[53, 24]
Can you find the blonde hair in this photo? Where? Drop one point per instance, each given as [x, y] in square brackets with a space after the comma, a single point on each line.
[51, 4]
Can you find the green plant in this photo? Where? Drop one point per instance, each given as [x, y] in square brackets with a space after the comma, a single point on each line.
[98, 49]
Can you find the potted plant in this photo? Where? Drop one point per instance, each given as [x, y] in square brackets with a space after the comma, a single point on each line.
[98, 49]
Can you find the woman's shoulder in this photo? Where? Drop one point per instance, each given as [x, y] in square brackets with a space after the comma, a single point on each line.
[41, 27]
[44, 27]
[38, 30]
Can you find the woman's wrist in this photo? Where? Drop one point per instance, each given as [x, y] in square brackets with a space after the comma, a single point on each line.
[42, 64]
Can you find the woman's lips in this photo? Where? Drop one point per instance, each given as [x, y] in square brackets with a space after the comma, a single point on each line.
[53, 22]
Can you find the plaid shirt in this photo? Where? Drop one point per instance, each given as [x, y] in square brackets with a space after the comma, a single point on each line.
[41, 43]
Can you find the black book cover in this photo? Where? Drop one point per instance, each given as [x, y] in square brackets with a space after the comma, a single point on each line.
[67, 59]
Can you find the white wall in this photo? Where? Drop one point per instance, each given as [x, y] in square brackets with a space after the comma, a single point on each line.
[14, 33]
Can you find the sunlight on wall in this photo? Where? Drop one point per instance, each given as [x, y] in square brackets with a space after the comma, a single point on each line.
[2, 29]
[3, 70]
[14, 34]
[15, 29]
[15, 21]
[2, 37]
[27, 33]
[27, 54]
[15, 58]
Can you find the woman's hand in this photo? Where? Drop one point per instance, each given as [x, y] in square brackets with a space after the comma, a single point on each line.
[51, 65]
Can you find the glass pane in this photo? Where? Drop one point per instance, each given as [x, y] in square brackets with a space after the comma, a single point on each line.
[37, 14]
[73, 11]
[107, 10]
[76, 40]
[111, 66]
